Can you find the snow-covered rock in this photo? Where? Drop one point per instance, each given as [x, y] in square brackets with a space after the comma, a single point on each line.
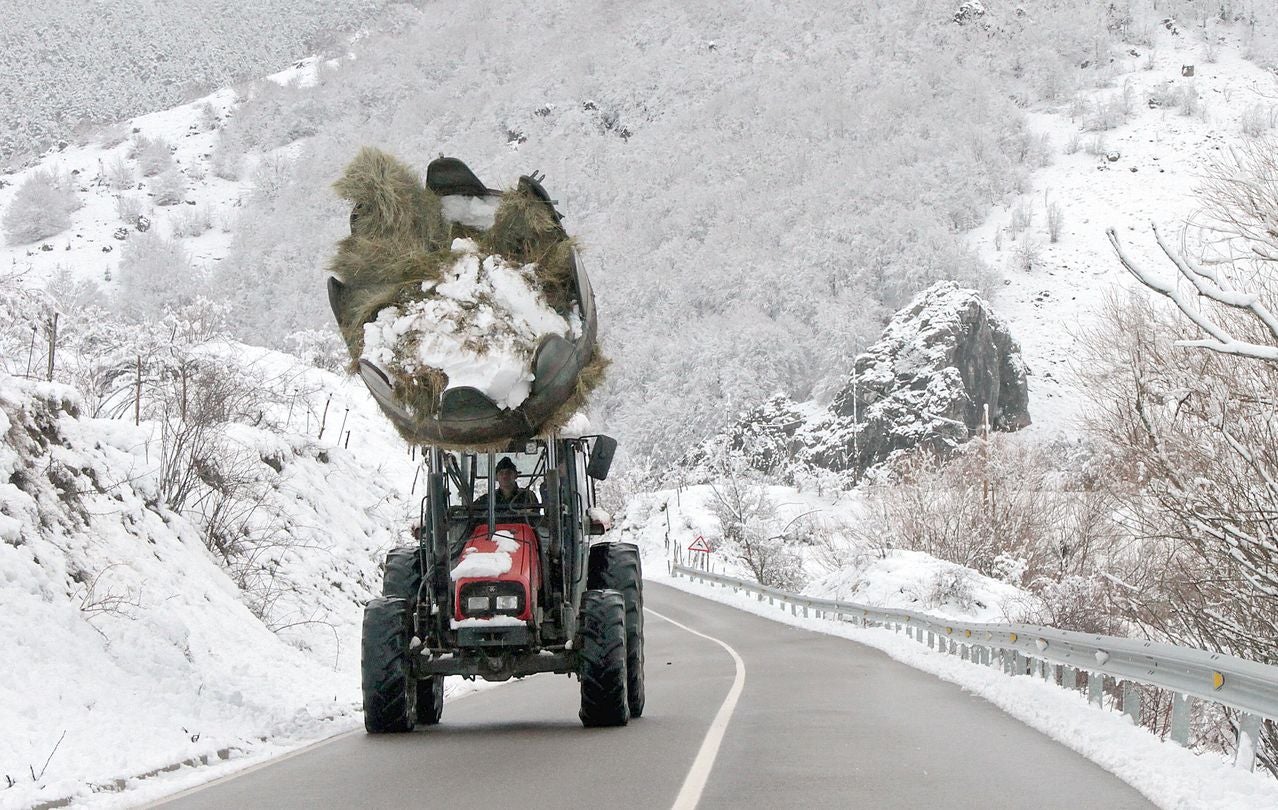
[944, 365]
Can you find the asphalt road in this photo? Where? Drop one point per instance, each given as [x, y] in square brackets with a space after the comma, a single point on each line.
[821, 722]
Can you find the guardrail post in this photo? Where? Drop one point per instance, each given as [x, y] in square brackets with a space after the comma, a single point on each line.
[1096, 689]
[1131, 701]
[1248, 737]
[1182, 708]
[1069, 677]
[931, 640]
[794, 609]
[1018, 663]
[805, 611]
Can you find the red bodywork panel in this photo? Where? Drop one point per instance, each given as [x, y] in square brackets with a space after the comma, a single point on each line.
[525, 565]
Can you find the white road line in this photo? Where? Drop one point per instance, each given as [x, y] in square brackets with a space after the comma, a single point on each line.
[695, 782]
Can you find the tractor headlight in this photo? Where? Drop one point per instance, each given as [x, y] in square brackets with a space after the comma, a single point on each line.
[510, 603]
[479, 604]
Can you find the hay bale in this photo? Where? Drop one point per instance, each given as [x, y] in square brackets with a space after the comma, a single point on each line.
[438, 302]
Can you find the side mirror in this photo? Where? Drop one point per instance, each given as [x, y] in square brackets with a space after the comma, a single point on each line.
[601, 457]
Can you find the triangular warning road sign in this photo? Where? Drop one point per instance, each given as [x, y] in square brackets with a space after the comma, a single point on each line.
[699, 544]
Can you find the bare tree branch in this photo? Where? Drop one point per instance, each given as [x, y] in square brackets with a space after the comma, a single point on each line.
[1206, 285]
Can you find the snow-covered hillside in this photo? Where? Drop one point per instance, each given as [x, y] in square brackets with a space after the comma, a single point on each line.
[134, 644]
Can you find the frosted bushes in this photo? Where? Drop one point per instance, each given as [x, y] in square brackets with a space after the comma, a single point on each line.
[155, 272]
[130, 207]
[1257, 119]
[41, 207]
[152, 154]
[120, 174]
[170, 187]
[192, 221]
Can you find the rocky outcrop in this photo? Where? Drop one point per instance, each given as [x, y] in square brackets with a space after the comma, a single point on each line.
[944, 366]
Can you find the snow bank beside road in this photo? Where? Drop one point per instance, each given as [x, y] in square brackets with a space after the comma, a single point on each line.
[130, 646]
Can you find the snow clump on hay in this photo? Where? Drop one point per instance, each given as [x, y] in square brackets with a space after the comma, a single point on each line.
[443, 293]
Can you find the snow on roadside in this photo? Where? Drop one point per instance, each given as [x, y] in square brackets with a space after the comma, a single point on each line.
[664, 523]
[131, 647]
[1167, 774]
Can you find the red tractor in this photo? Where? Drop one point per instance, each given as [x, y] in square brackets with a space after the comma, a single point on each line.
[499, 588]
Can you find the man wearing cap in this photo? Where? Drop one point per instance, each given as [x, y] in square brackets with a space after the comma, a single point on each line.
[509, 494]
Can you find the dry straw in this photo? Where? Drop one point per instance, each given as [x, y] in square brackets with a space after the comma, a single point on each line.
[399, 239]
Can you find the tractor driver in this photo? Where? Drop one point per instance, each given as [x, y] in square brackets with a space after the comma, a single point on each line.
[509, 494]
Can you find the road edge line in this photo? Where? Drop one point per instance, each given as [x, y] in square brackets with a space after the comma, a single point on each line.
[695, 782]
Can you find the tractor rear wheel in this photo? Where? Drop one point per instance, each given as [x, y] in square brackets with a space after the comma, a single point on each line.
[430, 700]
[402, 575]
[603, 659]
[617, 566]
[385, 671]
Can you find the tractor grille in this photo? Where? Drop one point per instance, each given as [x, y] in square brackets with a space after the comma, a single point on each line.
[479, 599]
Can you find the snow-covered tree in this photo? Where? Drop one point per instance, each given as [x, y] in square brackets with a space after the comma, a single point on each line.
[41, 207]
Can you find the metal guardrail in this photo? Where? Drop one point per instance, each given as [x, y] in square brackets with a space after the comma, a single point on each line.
[1067, 659]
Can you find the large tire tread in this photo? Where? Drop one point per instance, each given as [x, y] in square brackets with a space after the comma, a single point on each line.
[402, 574]
[385, 669]
[617, 566]
[603, 659]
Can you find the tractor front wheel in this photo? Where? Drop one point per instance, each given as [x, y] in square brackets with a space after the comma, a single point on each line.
[603, 659]
[402, 574]
[385, 670]
[617, 566]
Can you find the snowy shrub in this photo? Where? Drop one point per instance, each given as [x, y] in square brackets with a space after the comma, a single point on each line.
[1009, 568]
[169, 187]
[1073, 143]
[1027, 253]
[1022, 217]
[322, 348]
[71, 293]
[154, 272]
[1188, 101]
[1211, 47]
[1055, 219]
[950, 588]
[152, 154]
[271, 174]
[1001, 507]
[1095, 145]
[209, 118]
[128, 207]
[24, 315]
[1257, 119]
[1106, 113]
[750, 531]
[41, 207]
[191, 221]
[227, 161]
[1081, 604]
[120, 174]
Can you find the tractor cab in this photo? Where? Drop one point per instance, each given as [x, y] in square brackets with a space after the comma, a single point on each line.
[515, 550]
[504, 583]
